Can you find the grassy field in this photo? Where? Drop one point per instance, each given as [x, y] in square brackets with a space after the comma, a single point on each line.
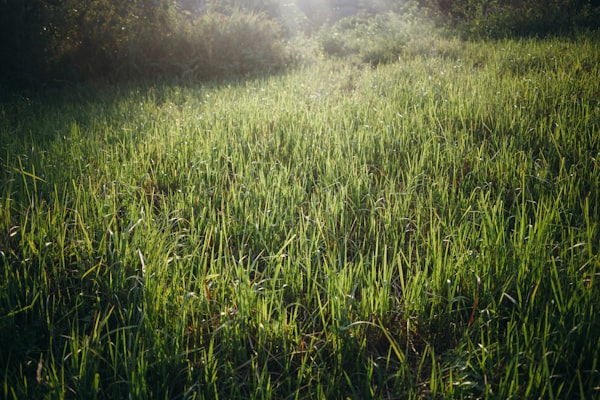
[424, 229]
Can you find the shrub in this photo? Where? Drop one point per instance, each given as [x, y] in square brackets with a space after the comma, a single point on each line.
[501, 19]
[90, 40]
[375, 39]
[240, 43]
[140, 40]
[210, 45]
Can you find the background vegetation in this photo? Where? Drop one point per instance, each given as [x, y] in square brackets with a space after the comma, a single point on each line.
[137, 40]
[501, 19]
[396, 217]
[53, 41]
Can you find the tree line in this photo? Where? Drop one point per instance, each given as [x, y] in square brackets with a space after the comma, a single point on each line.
[71, 40]
[515, 18]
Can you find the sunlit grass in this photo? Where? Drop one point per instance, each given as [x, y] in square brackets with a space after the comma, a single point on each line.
[427, 228]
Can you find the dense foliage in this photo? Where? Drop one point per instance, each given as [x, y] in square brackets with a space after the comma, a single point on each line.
[143, 39]
[510, 18]
[69, 40]
[379, 38]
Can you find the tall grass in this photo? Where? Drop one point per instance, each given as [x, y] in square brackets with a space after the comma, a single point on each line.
[421, 229]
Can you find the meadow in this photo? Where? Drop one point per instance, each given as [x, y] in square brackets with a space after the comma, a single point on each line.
[426, 228]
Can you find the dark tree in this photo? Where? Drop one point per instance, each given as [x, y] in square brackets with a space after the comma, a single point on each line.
[25, 34]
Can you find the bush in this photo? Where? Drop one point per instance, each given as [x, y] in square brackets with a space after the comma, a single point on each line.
[90, 40]
[375, 39]
[502, 19]
[235, 44]
[139, 40]
[210, 45]
[372, 39]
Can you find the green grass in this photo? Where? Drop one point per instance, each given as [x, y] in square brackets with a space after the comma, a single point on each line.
[424, 229]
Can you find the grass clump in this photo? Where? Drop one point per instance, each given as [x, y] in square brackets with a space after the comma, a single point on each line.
[420, 229]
